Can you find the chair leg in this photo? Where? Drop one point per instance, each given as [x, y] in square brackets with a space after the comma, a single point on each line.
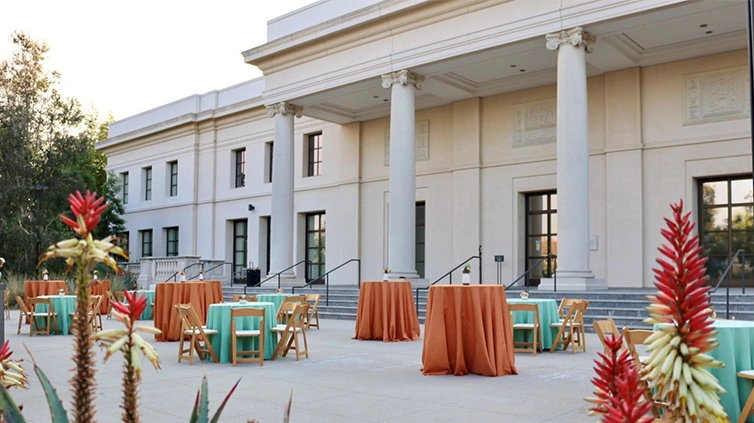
[233, 348]
[306, 344]
[20, 319]
[747, 408]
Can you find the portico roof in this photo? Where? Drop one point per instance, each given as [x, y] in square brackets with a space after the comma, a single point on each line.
[469, 49]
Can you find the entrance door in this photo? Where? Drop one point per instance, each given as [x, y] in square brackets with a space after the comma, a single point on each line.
[315, 245]
[541, 235]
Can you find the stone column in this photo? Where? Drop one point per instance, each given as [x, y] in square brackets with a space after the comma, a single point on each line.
[281, 236]
[573, 270]
[402, 208]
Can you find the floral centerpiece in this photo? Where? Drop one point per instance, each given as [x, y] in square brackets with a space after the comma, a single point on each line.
[45, 275]
[525, 293]
[242, 299]
[466, 274]
[94, 272]
[182, 276]
[201, 275]
[384, 274]
[279, 290]
[61, 292]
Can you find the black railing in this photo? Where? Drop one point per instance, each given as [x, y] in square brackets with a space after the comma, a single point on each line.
[277, 275]
[726, 275]
[184, 271]
[528, 271]
[213, 268]
[450, 275]
[326, 277]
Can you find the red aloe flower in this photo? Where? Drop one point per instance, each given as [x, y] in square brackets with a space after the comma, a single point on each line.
[675, 370]
[5, 351]
[87, 208]
[136, 305]
[619, 392]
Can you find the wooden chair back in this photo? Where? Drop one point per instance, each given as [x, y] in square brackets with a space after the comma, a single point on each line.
[633, 338]
[565, 305]
[313, 314]
[606, 327]
[191, 327]
[50, 316]
[95, 305]
[234, 333]
[571, 329]
[285, 311]
[295, 299]
[534, 327]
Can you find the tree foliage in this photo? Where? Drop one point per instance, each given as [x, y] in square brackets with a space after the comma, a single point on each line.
[46, 152]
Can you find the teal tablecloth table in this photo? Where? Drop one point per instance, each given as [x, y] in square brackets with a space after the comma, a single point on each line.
[218, 318]
[277, 299]
[63, 306]
[736, 350]
[147, 313]
[548, 313]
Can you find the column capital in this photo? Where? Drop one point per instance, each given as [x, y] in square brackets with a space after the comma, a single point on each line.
[283, 108]
[403, 77]
[574, 36]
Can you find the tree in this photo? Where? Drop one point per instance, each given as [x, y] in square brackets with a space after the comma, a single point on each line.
[46, 152]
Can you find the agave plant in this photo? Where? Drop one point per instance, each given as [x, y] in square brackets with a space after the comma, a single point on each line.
[619, 391]
[676, 369]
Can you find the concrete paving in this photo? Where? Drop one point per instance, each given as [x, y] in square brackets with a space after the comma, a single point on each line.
[343, 380]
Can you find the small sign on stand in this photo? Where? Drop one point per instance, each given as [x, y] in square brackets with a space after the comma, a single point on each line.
[499, 260]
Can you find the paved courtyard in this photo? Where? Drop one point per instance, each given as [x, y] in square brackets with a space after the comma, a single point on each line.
[343, 381]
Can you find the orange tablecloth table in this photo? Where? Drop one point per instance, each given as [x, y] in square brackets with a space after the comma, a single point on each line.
[99, 287]
[468, 330]
[386, 312]
[36, 288]
[199, 294]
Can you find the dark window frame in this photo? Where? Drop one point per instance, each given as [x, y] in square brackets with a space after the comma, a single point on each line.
[239, 266]
[420, 265]
[148, 183]
[124, 182]
[314, 153]
[548, 267]
[240, 167]
[147, 243]
[172, 242]
[321, 251]
[173, 171]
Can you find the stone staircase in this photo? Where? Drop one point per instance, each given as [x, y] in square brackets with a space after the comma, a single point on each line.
[625, 306]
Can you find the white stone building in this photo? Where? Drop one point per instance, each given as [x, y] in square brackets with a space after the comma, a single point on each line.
[430, 128]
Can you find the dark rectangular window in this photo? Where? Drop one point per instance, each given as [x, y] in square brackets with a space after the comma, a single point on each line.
[315, 245]
[420, 238]
[541, 235]
[172, 242]
[173, 167]
[147, 183]
[726, 225]
[146, 243]
[315, 154]
[122, 241]
[124, 180]
[240, 167]
[240, 235]
[270, 154]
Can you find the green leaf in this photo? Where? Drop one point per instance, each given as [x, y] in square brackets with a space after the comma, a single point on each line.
[201, 406]
[10, 410]
[216, 417]
[56, 406]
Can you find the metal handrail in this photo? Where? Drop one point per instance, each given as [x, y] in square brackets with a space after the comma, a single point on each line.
[277, 275]
[534, 266]
[184, 271]
[326, 276]
[450, 275]
[213, 268]
[727, 284]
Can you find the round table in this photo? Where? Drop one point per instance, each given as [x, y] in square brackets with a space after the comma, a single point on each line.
[548, 313]
[736, 350]
[63, 306]
[218, 318]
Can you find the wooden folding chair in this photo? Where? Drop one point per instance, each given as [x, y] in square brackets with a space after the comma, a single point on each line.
[313, 314]
[235, 333]
[571, 329]
[193, 332]
[285, 311]
[6, 303]
[606, 327]
[747, 410]
[110, 301]
[50, 316]
[289, 333]
[565, 305]
[25, 313]
[633, 338]
[534, 327]
[236, 297]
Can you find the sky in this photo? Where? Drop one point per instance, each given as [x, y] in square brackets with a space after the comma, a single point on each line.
[125, 58]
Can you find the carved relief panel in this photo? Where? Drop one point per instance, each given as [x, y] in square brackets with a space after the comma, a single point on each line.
[534, 123]
[421, 142]
[716, 96]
